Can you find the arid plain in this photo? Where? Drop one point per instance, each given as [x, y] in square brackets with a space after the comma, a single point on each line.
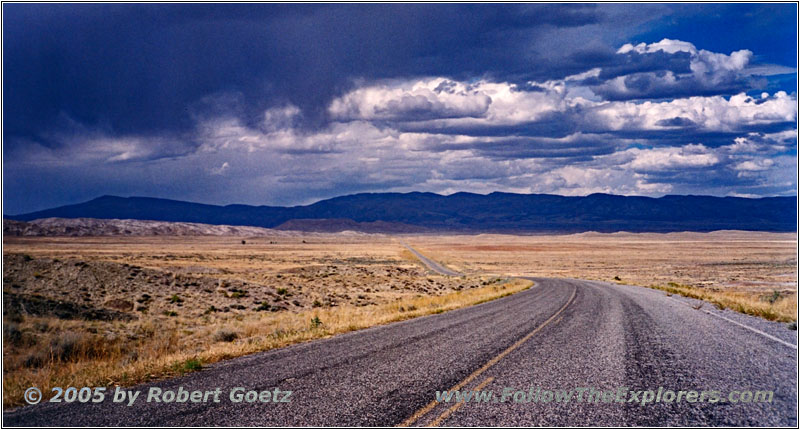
[751, 272]
[121, 310]
[732, 260]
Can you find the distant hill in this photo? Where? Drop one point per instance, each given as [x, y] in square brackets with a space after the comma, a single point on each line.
[326, 225]
[462, 212]
[125, 227]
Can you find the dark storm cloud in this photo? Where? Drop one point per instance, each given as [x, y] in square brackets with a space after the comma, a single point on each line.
[654, 86]
[713, 138]
[576, 147]
[677, 121]
[287, 103]
[634, 62]
[138, 69]
[553, 125]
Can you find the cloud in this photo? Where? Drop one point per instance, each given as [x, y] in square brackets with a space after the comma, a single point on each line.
[665, 45]
[657, 159]
[281, 118]
[574, 146]
[714, 113]
[640, 148]
[289, 104]
[485, 105]
[580, 181]
[708, 72]
[126, 65]
[441, 102]
[448, 105]
[420, 100]
[755, 165]
[764, 143]
[221, 169]
[99, 148]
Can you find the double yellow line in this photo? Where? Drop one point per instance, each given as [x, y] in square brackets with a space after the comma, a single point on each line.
[417, 415]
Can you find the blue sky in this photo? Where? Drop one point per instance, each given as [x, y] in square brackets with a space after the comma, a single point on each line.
[288, 104]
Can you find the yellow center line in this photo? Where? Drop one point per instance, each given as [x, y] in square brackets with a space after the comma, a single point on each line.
[417, 415]
[447, 413]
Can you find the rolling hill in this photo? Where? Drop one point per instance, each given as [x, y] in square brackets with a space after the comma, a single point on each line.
[462, 212]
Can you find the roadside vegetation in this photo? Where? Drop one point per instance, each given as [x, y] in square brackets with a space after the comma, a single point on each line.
[749, 272]
[774, 306]
[48, 351]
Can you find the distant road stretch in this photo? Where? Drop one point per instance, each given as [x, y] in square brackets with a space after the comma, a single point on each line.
[436, 267]
[560, 334]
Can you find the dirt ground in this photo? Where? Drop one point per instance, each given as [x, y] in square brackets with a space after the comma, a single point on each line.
[195, 276]
[123, 310]
[737, 261]
[192, 276]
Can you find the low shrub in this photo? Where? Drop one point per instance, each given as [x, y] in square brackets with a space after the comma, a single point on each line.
[225, 335]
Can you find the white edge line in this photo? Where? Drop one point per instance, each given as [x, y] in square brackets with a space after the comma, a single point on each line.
[754, 330]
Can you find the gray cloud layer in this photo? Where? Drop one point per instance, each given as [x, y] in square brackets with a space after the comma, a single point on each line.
[645, 119]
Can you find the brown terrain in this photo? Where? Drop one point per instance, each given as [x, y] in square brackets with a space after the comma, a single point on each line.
[750, 272]
[121, 302]
[73, 227]
[197, 275]
[724, 260]
[128, 227]
[125, 309]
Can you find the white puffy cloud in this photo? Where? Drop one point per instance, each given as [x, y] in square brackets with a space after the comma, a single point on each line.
[711, 66]
[655, 159]
[754, 165]
[709, 113]
[421, 99]
[440, 102]
[703, 62]
[669, 46]
[583, 180]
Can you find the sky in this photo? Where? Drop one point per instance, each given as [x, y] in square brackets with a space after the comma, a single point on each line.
[278, 104]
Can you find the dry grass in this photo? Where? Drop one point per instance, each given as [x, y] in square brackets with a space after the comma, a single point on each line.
[235, 299]
[773, 306]
[219, 272]
[171, 303]
[733, 269]
[340, 284]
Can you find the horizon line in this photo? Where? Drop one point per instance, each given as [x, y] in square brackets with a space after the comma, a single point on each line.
[398, 193]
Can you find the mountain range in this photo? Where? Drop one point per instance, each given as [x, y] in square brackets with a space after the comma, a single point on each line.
[461, 212]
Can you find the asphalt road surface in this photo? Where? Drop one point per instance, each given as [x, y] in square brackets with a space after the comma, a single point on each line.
[433, 265]
[560, 334]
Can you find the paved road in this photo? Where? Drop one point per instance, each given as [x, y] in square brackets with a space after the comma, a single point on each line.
[558, 334]
[436, 267]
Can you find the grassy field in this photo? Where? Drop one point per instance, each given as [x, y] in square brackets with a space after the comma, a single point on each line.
[100, 311]
[750, 272]
[112, 310]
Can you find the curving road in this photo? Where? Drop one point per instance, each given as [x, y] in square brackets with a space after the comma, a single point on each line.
[560, 334]
[434, 266]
